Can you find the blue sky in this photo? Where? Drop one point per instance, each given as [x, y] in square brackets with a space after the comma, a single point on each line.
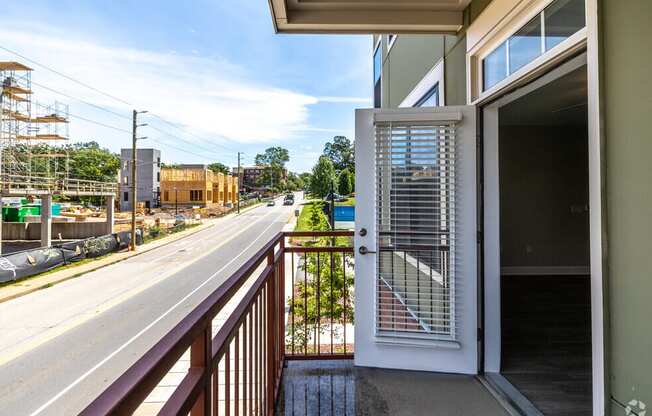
[214, 69]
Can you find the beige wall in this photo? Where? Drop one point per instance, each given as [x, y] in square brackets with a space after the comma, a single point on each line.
[627, 88]
[543, 173]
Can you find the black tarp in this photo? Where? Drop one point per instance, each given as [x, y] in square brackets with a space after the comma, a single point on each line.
[30, 262]
[27, 263]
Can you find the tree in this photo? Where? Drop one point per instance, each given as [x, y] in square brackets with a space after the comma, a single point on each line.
[305, 177]
[323, 177]
[218, 167]
[91, 162]
[344, 182]
[341, 153]
[273, 156]
[273, 160]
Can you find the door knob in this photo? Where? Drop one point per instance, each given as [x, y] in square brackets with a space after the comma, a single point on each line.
[364, 250]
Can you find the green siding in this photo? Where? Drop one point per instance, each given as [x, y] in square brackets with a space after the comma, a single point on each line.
[627, 88]
[455, 71]
[407, 62]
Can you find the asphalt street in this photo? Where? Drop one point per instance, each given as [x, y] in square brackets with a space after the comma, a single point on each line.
[60, 347]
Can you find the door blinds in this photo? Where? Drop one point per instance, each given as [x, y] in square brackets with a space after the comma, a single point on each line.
[415, 179]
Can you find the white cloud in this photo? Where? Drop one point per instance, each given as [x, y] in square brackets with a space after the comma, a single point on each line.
[360, 100]
[211, 97]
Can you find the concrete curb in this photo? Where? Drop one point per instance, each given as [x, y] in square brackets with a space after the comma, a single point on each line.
[52, 279]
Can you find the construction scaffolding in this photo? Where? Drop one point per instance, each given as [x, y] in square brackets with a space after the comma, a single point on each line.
[32, 159]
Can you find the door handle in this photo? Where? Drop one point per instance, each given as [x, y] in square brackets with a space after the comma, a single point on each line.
[364, 250]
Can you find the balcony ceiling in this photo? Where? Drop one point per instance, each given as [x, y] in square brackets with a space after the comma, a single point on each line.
[367, 16]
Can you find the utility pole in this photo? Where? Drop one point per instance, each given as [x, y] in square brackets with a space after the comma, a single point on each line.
[134, 199]
[239, 184]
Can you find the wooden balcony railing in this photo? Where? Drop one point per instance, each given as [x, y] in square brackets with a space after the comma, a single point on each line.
[238, 370]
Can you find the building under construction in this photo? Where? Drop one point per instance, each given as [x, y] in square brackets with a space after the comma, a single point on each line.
[196, 185]
[29, 131]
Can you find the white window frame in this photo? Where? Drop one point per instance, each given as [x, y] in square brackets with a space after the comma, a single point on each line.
[434, 77]
[391, 40]
[489, 31]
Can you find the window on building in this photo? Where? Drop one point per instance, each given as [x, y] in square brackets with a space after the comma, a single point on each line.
[525, 45]
[126, 164]
[158, 162]
[209, 195]
[166, 195]
[557, 22]
[196, 195]
[158, 176]
[429, 99]
[125, 180]
[126, 196]
[390, 40]
[378, 67]
[562, 19]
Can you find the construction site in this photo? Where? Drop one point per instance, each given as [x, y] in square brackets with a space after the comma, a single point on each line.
[35, 179]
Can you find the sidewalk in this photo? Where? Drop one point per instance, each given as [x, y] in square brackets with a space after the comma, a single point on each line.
[168, 384]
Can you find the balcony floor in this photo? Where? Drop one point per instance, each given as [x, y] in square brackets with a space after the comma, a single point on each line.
[339, 388]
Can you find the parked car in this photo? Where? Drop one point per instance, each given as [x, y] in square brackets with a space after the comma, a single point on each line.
[288, 201]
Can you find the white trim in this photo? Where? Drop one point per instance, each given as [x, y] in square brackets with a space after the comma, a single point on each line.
[391, 41]
[434, 77]
[492, 269]
[492, 295]
[597, 216]
[545, 270]
[503, 18]
[426, 114]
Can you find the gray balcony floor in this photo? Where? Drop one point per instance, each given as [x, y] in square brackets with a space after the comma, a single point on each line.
[336, 388]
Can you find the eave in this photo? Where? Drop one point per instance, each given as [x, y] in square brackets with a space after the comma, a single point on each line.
[367, 16]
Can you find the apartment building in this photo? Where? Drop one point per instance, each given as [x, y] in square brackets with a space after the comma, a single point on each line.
[553, 96]
[250, 176]
[501, 257]
[148, 175]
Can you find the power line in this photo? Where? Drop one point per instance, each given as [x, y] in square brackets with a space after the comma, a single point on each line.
[190, 133]
[82, 101]
[61, 74]
[100, 123]
[183, 140]
[179, 148]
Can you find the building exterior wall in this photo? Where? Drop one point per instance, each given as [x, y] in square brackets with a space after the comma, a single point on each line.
[218, 189]
[627, 90]
[148, 168]
[411, 57]
[179, 185]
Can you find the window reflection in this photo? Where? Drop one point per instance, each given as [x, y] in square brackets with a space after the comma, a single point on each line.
[562, 19]
[525, 45]
[495, 66]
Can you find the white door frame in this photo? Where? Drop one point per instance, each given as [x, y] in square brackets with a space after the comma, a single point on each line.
[492, 273]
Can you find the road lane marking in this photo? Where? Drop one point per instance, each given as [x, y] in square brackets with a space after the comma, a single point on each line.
[36, 340]
[148, 327]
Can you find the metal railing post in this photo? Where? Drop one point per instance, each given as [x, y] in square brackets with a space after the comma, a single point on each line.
[201, 356]
[271, 335]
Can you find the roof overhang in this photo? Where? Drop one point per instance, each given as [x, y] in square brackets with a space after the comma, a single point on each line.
[368, 16]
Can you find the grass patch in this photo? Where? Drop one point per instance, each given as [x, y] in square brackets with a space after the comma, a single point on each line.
[303, 222]
[349, 202]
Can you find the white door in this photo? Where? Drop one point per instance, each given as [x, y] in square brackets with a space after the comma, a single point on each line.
[416, 233]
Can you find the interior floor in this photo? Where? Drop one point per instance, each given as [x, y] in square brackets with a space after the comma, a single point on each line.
[546, 351]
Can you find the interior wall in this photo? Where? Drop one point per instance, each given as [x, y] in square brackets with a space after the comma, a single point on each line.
[627, 90]
[544, 199]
